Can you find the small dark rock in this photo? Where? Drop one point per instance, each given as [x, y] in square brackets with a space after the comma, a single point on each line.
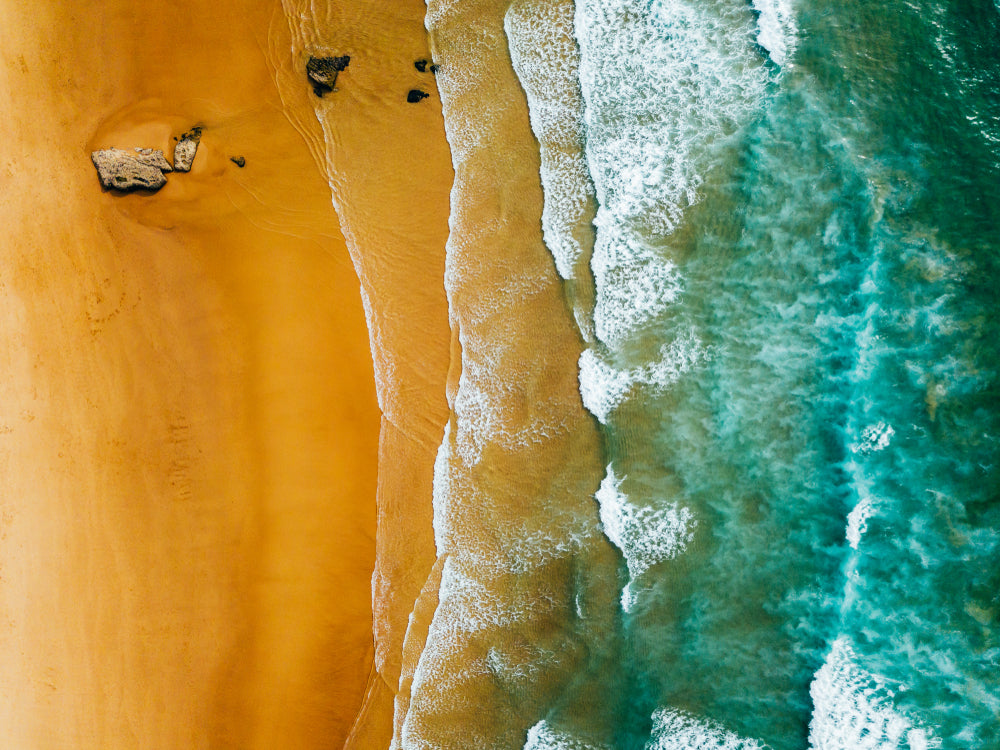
[435, 68]
[416, 95]
[239, 161]
[322, 72]
[421, 65]
[185, 150]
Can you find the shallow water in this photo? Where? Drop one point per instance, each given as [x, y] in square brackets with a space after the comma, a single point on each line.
[787, 338]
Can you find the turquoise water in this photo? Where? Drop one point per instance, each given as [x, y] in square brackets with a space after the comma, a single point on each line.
[838, 267]
[786, 294]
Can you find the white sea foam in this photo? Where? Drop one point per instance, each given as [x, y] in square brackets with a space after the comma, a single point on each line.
[545, 58]
[678, 730]
[776, 29]
[489, 413]
[645, 535]
[661, 81]
[442, 493]
[874, 438]
[634, 284]
[516, 546]
[853, 709]
[857, 521]
[603, 386]
[542, 736]
[664, 84]
[460, 80]
[386, 381]
[471, 612]
[671, 729]
[489, 404]
[468, 606]
[628, 598]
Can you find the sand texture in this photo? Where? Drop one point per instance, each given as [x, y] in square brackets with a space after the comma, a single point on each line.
[389, 167]
[188, 423]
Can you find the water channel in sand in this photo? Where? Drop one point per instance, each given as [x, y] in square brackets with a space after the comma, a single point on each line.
[188, 425]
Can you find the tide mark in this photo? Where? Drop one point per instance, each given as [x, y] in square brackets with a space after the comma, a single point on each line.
[105, 303]
[26, 415]
[179, 472]
[6, 521]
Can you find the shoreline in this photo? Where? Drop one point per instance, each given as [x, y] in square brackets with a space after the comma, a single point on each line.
[390, 170]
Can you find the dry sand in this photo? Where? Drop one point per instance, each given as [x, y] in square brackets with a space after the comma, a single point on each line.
[188, 423]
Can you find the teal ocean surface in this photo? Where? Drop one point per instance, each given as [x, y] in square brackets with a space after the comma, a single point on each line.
[777, 226]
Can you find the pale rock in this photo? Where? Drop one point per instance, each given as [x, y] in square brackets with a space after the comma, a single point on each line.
[185, 150]
[124, 170]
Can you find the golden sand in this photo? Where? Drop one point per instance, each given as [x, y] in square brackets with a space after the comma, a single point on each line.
[390, 170]
[188, 424]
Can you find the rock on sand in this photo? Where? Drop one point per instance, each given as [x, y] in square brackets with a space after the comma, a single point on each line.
[126, 170]
[185, 150]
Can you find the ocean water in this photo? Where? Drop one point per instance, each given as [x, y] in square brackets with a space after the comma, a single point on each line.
[770, 234]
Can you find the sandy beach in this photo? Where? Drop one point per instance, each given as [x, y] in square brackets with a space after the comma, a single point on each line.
[390, 171]
[189, 433]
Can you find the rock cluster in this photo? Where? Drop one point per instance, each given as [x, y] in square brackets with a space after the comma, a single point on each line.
[323, 71]
[322, 74]
[185, 150]
[424, 66]
[127, 170]
[144, 168]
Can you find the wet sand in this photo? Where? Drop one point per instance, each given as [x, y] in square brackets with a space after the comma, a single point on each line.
[390, 170]
[188, 427]
[521, 460]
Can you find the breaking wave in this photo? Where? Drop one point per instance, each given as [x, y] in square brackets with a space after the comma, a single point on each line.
[730, 233]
